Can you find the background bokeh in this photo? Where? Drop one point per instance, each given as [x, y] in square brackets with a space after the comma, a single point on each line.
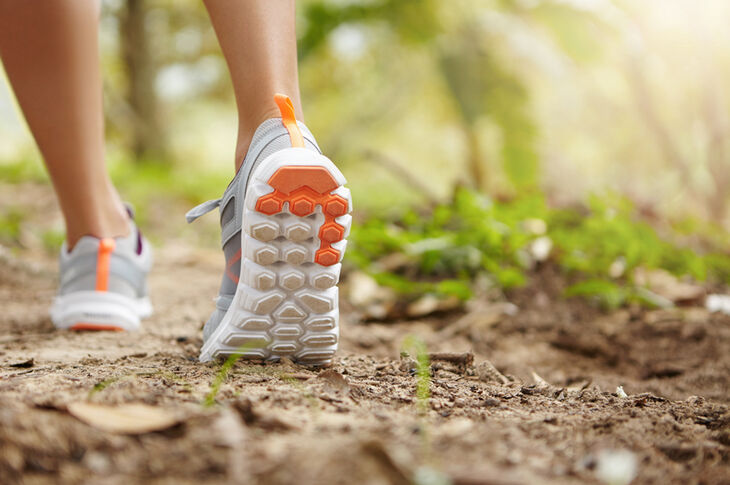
[414, 97]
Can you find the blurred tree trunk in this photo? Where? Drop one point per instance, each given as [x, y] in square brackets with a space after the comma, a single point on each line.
[147, 134]
[475, 163]
[718, 163]
[647, 108]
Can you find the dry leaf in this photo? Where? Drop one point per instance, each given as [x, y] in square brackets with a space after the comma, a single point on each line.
[668, 286]
[373, 300]
[123, 418]
[429, 304]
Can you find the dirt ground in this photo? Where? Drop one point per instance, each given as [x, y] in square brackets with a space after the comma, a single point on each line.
[537, 404]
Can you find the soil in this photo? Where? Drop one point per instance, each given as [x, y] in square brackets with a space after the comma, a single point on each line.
[519, 394]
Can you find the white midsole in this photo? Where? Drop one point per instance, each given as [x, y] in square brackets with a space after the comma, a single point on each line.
[99, 308]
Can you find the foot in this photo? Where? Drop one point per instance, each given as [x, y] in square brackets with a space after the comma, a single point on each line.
[284, 220]
[103, 283]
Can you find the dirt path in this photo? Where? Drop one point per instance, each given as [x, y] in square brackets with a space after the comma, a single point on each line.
[547, 412]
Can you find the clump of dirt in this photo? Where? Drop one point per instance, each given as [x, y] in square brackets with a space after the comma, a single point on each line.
[528, 396]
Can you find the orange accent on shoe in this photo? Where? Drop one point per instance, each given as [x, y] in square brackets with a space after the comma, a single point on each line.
[327, 257]
[337, 206]
[331, 232]
[236, 258]
[288, 179]
[286, 108]
[103, 258]
[268, 204]
[94, 326]
[301, 206]
[305, 187]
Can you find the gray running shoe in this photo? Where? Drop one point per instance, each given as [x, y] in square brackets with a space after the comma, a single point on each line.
[284, 219]
[104, 283]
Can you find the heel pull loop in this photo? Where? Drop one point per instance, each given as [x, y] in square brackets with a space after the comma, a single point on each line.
[286, 108]
[103, 258]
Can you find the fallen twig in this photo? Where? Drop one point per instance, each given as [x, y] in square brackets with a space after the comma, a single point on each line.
[462, 359]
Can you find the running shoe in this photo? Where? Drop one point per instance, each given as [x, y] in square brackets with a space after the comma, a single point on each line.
[103, 283]
[284, 219]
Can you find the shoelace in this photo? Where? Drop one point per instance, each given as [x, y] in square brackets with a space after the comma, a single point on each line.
[202, 209]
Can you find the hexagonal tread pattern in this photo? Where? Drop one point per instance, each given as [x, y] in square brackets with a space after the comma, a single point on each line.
[304, 188]
[295, 254]
[319, 301]
[322, 281]
[293, 280]
[254, 323]
[265, 231]
[297, 232]
[320, 324]
[294, 215]
[266, 256]
[290, 313]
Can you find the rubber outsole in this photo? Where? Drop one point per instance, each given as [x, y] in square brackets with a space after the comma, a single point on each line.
[98, 310]
[296, 217]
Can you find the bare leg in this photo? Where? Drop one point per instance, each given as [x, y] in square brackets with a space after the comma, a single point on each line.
[49, 49]
[260, 46]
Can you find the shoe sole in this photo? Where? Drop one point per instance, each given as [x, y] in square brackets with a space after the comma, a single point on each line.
[97, 310]
[295, 221]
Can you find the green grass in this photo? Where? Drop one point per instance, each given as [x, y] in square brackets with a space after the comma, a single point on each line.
[100, 386]
[429, 472]
[414, 346]
[225, 369]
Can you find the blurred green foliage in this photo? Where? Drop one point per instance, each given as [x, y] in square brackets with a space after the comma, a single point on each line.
[449, 248]
[473, 64]
[53, 240]
[11, 221]
[458, 241]
[23, 171]
[610, 233]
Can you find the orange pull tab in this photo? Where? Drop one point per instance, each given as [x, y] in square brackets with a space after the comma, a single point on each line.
[106, 247]
[286, 108]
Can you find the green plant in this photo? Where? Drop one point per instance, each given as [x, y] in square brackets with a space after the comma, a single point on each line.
[225, 369]
[600, 247]
[414, 346]
[610, 232]
[429, 472]
[450, 246]
[100, 386]
[605, 247]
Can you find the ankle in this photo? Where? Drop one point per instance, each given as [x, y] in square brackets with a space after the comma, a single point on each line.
[101, 220]
[248, 125]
